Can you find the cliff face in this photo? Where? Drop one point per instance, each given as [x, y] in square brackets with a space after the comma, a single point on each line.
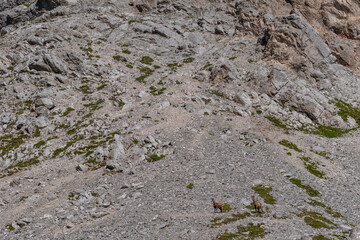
[123, 119]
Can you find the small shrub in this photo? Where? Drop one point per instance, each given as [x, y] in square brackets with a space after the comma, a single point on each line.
[190, 186]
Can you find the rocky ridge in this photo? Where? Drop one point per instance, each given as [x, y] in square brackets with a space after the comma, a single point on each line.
[122, 119]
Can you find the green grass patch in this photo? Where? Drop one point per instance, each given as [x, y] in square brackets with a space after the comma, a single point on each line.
[329, 132]
[188, 60]
[102, 86]
[126, 51]
[147, 60]
[96, 105]
[235, 217]
[290, 145]
[312, 167]
[226, 208]
[264, 192]
[346, 110]
[9, 227]
[309, 190]
[146, 72]
[276, 122]
[85, 89]
[190, 186]
[174, 66]
[68, 111]
[24, 164]
[251, 231]
[94, 164]
[9, 143]
[154, 91]
[119, 58]
[39, 144]
[320, 237]
[117, 101]
[155, 157]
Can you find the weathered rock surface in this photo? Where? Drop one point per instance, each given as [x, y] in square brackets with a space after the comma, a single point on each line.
[123, 119]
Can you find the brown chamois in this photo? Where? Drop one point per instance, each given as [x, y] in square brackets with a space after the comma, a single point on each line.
[257, 205]
[217, 205]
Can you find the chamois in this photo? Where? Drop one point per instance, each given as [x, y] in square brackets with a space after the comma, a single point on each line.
[257, 205]
[217, 205]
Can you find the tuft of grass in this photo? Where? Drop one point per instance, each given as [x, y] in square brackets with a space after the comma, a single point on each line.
[235, 217]
[226, 208]
[154, 91]
[276, 122]
[312, 167]
[251, 231]
[316, 223]
[126, 51]
[147, 60]
[329, 132]
[155, 157]
[329, 210]
[188, 60]
[290, 145]
[264, 193]
[346, 110]
[190, 186]
[119, 58]
[146, 72]
[9, 227]
[68, 111]
[85, 89]
[24, 164]
[96, 105]
[39, 144]
[309, 190]
[320, 237]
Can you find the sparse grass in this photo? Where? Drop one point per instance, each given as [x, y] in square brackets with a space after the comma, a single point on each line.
[346, 110]
[226, 208]
[24, 164]
[263, 192]
[126, 51]
[309, 190]
[174, 66]
[188, 60]
[102, 86]
[68, 111]
[39, 144]
[9, 227]
[235, 217]
[312, 167]
[9, 143]
[147, 60]
[154, 91]
[290, 145]
[314, 223]
[276, 122]
[85, 89]
[329, 132]
[250, 231]
[327, 209]
[117, 101]
[146, 72]
[190, 186]
[155, 157]
[119, 58]
[94, 164]
[320, 237]
[96, 105]
[206, 66]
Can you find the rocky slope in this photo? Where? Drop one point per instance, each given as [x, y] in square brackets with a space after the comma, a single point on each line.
[123, 119]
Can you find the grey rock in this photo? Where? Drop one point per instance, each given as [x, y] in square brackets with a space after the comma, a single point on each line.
[82, 168]
[189, 107]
